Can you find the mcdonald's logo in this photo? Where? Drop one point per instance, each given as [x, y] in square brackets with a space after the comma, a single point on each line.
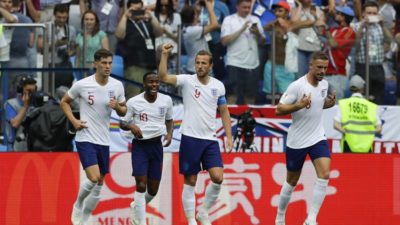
[49, 169]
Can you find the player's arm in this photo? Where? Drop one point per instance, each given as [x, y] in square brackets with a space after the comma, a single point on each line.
[285, 109]
[65, 105]
[226, 122]
[119, 107]
[163, 66]
[170, 129]
[135, 130]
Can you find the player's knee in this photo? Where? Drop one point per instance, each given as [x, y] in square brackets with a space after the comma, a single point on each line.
[217, 179]
[95, 179]
[292, 181]
[152, 191]
[141, 186]
[324, 175]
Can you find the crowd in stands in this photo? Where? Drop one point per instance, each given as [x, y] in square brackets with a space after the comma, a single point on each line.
[354, 34]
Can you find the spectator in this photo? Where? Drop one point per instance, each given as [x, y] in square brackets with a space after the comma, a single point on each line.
[137, 31]
[64, 42]
[378, 34]
[340, 40]
[31, 8]
[109, 13]
[47, 8]
[282, 26]
[216, 48]
[95, 39]
[194, 34]
[309, 41]
[242, 33]
[15, 111]
[169, 22]
[21, 40]
[6, 33]
[357, 120]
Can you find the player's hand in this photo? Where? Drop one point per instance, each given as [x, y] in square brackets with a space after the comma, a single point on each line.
[305, 101]
[79, 124]
[166, 49]
[113, 103]
[330, 100]
[136, 131]
[167, 140]
[228, 145]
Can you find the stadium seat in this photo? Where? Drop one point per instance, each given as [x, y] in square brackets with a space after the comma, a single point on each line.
[118, 66]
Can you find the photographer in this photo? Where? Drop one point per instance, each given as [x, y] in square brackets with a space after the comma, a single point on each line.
[378, 36]
[64, 45]
[16, 110]
[45, 126]
[136, 31]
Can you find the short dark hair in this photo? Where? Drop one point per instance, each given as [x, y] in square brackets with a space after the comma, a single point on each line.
[129, 2]
[204, 52]
[318, 55]
[61, 8]
[148, 74]
[240, 1]
[370, 4]
[102, 53]
[187, 15]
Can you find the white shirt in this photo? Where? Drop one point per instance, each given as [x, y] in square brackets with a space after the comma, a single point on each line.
[338, 116]
[306, 128]
[194, 41]
[149, 116]
[200, 106]
[94, 109]
[172, 28]
[242, 52]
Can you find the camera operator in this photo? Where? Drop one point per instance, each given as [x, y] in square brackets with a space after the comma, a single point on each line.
[45, 126]
[15, 110]
[64, 45]
[136, 31]
[245, 128]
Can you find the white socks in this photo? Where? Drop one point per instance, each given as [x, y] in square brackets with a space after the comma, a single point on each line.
[140, 206]
[189, 201]
[318, 197]
[284, 199]
[211, 196]
[91, 202]
[84, 191]
[148, 197]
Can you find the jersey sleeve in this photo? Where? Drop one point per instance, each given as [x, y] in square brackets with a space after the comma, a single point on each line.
[290, 95]
[73, 92]
[121, 93]
[181, 80]
[129, 113]
[169, 114]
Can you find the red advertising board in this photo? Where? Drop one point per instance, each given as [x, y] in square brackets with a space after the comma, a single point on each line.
[39, 189]
[363, 190]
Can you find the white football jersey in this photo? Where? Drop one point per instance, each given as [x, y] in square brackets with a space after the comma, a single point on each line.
[306, 128]
[200, 106]
[94, 109]
[149, 116]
